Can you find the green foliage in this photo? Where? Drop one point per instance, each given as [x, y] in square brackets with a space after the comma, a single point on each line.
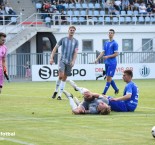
[28, 110]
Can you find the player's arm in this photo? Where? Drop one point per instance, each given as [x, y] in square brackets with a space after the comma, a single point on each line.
[74, 57]
[4, 64]
[99, 57]
[53, 53]
[111, 56]
[123, 98]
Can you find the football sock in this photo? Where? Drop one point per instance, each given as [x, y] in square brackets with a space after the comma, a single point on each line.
[76, 101]
[57, 85]
[114, 85]
[106, 87]
[62, 86]
[72, 103]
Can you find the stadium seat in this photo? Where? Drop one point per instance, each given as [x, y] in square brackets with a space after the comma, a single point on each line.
[48, 21]
[134, 20]
[147, 20]
[152, 20]
[107, 20]
[96, 13]
[83, 13]
[70, 13]
[65, 5]
[97, 6]
[128, 20]
[78, 6]
[76, 13]
[141, 19]
[75, 20]
[95, 20]
[135, 13]
[101, 20]
[84, 6]
[90, 6]
[69, 20]
[115, 20]
[129, 13]
[121, 20]
[13, 20]
[102, 13]
[90, 12]
[82, 20]
[117, 12]
[123, 13]
[71, 6]
[38, 6]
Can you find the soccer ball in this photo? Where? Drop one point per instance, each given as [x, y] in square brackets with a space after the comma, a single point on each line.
[153, 131]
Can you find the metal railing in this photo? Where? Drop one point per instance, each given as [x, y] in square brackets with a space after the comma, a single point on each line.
[16, 62]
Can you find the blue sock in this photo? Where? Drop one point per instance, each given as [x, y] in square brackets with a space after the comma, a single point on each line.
[114, 85]
[106, 87]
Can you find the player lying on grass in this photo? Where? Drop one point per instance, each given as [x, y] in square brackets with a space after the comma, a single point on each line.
[127, 103]
[88, 105]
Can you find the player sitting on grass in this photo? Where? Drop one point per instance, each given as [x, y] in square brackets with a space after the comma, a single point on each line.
[127, 103]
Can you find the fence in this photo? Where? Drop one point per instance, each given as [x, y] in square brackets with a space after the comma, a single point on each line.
[17, 62]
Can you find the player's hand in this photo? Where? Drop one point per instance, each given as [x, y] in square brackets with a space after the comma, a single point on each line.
[51, 61]
[72, 63]
[113, 99]
[105, 57]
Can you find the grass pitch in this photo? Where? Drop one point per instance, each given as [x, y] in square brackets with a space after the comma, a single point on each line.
[27, 110]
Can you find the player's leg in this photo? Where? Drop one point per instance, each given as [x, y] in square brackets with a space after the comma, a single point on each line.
[1, 80]
[118, 106]
[113, 84]
[58, 82]
[62, 84]
[108, 79]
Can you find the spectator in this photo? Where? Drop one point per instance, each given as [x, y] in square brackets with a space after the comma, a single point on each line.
[149, 10]
[117, 5]
[63, 17]
[142, 9]
[125, 5]
[9, 10]
[136, 5]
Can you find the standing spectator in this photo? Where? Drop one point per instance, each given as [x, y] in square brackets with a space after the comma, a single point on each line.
[109, 53]
[69, 51]
[3, 51]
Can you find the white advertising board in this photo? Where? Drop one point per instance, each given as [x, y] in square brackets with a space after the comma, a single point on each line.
[91, 71]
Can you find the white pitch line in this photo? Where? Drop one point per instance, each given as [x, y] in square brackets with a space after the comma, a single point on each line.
[15, 141]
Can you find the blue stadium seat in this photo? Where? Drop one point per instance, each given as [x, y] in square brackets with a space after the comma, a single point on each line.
[77, 13]
[134, 20]
[65, 5]
[71, 6]
[38, 6]
[83, 13]
[141, 19]
[115, 20]
[147, 19]
[90, 12]
[96, 13]
[102, 13]
[128, 20]
[121, 20]
[75, 20]
[82, 20]
[123, 13]
[129, 13]
[84, 6]
[135, 13]
[107, 20]
[152, 20]
[101, 20]
[78, 6]
[90, 6]
[97, 6]
[70, 13]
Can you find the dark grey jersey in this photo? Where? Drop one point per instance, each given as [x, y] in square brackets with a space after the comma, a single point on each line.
[68, 48]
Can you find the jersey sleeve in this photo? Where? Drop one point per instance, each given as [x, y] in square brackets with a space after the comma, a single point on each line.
[115, 47]
[60, 42]
[129, 89]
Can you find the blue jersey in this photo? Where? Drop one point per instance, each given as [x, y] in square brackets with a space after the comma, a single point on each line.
[132, 89]
[110, 47]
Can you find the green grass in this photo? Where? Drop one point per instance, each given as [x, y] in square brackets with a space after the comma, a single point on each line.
[52, 122]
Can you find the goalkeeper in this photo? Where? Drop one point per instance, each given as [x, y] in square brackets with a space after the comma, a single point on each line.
[3, 51]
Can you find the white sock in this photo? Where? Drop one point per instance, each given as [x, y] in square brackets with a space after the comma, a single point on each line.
[72, 103]
[76, 101]
[81, 90]
[61, 88]
[57, 85]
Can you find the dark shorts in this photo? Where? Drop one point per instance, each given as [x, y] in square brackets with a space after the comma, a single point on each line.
[66, 68]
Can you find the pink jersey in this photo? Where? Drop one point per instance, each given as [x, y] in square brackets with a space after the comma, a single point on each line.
[3, 51]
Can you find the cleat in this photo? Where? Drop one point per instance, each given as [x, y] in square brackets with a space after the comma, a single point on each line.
[116, 91]
[54, 95]
[67, 94]
[59, 98]
[73, 84]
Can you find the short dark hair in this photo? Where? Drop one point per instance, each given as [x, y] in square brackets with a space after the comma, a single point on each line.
[2, 34]
[112, 30]
[129, 72]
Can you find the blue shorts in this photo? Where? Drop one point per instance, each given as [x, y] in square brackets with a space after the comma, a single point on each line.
[118, 106]
[110, 69]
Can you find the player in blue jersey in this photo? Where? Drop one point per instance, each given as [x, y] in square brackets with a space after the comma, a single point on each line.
[109, 53]
[129, 101]
[69, 50]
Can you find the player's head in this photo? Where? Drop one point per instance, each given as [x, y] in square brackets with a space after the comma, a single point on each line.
[111, 33]
[2, 38]
[71, 30]
[127, 75]
[103, 108]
